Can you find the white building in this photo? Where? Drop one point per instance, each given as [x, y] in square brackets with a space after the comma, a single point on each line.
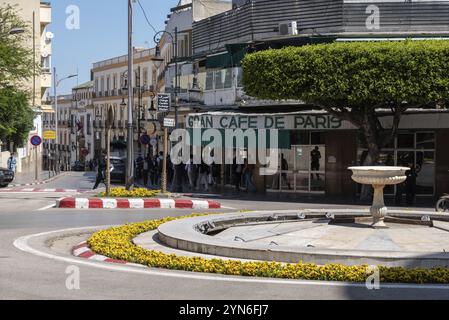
[40, 13]
[110, 81]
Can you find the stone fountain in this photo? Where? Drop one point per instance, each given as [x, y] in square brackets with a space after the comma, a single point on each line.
[379, 177]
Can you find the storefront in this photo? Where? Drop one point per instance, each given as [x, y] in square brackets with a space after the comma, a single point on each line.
[315, 150]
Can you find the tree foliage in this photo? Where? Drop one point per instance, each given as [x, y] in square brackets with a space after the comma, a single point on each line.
[16, 68]
[354, 80]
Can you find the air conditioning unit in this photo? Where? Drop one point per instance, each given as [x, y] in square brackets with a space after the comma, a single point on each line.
[288, 28]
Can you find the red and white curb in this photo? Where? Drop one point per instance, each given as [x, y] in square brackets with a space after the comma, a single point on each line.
[103, 203]
[82, 250]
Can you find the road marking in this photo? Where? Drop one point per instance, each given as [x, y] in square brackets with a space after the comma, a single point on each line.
[46, 207]
[22, 244]
[229, 208]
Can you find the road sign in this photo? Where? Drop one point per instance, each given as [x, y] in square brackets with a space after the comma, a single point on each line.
[169, 122]
[163, 102]
[49, 135]
[36, 140]
[145, 139]
[153, 142]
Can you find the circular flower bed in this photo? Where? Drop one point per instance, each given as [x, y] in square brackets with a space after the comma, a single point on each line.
[136, 193]
[117, 243]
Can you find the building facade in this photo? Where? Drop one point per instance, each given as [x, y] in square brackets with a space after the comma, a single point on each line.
[110, 90]
[82, 115]
[210, 86]
[38, 12]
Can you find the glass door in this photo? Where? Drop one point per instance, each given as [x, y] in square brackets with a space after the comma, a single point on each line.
[310, 168]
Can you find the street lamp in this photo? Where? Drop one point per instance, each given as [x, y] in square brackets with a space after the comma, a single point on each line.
[55, 88]
[158, 61]
[130, 145]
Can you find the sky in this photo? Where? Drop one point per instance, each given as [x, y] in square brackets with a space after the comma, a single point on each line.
[102, 34]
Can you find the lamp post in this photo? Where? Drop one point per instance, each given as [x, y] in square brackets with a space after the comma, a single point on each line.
[130, 144]
[158, 61]
[55, 88]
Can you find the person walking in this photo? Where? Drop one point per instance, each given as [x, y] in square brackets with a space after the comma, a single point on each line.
[146, 171]
[203, 177]
[237, 170]
[191, 172]
[248, 178]
[101, 174]
[315, 156]
[12, 163]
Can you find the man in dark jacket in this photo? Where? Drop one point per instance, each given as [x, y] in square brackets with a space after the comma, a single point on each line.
[100, 172]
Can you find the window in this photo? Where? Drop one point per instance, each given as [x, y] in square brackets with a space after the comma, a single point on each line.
[145, 76]
[219, 79]
[89, 132]
[46, 64]
[227, 78]
[210, 80]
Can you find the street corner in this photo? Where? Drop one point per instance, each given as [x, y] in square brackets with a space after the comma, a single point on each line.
[137, 203]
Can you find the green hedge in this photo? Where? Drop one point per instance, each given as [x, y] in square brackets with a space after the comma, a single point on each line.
[353, 74]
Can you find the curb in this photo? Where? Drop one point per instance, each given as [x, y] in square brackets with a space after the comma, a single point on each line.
[82, 250]
[37, 183]
[103, 203]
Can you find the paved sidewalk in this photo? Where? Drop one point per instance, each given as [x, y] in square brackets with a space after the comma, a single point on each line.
[27, 178]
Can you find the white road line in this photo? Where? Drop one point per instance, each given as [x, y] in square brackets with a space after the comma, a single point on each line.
[229, 208]
[22, 244]
[46, 207]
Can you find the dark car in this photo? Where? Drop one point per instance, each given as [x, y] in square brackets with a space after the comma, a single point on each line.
[6, 177]
[118, 172]
[78, 166]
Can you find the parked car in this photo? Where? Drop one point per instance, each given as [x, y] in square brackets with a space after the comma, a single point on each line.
[78, 166]
[6, 177]
[118, 172]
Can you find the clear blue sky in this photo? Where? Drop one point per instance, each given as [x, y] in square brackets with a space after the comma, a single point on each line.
[102, 33]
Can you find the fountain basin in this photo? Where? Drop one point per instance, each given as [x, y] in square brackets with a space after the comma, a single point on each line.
[379, 175]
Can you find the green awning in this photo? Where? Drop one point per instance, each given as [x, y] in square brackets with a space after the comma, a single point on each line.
[231, 58]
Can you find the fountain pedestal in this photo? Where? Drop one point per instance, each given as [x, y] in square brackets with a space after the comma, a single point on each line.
[379, 177]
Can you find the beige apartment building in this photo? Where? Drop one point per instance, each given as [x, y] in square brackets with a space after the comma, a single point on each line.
[110, 82]
[40, 13]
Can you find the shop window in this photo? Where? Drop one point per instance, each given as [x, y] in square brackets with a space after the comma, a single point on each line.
[406, 141]
[227, 78]
[219, 79]
[425, 140]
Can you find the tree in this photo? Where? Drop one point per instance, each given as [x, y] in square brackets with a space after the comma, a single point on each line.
[357, 82]
[16, 67]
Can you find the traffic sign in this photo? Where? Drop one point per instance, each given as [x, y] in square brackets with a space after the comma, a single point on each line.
[49, 135]
[163, 102]
[153, 142]
[36, 140]
[145, 139]
[169, 122]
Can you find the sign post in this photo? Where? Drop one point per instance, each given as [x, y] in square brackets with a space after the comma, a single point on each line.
[163, 102]
[168, 122]
[36, 141]
[110, 121]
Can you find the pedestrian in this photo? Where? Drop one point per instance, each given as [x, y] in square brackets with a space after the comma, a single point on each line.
[315, 156]
[284, 169]
[191, 172]
[101, 174]
[410, 185]
[237, 170]
[145, 171]
[12, 163]
[248, 178]
[203, 177]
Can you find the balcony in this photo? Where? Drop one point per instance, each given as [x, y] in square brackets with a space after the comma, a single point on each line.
[45, 14]
[46, 79]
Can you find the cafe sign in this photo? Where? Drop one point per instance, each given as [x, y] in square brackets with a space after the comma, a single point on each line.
[267, 121]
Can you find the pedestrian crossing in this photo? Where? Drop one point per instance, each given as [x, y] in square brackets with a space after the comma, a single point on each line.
[43, 190]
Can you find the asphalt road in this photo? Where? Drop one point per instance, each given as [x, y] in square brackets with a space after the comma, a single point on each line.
[27, 275]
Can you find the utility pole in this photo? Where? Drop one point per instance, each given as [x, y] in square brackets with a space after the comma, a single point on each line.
[55, 85]
[130, 145]
[175, 48]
